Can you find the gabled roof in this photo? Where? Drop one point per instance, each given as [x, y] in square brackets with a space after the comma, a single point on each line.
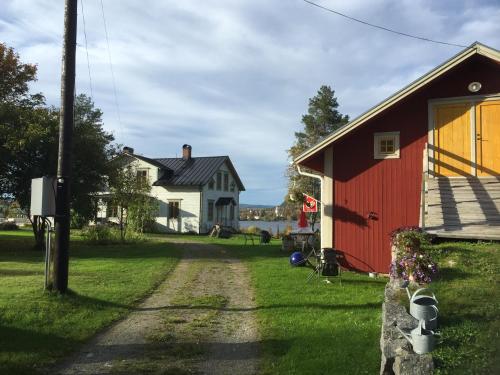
[475, 48]
[147, 160]
[193, 172]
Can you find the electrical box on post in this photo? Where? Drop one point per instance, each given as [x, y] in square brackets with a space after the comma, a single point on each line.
[43, 196]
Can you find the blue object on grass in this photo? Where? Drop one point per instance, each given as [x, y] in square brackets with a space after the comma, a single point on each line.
[297, 259]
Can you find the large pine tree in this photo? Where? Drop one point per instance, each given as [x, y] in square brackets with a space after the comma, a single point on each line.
[322, 119]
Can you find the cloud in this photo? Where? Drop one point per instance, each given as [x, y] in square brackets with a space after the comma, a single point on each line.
[234, 77]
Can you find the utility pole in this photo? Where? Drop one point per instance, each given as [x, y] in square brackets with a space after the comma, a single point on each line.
[62, 218]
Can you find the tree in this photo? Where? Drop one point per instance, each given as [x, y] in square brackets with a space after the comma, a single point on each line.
[93, 149]
[29, 141]
[321, 120]
[130, 195]
[14, 76]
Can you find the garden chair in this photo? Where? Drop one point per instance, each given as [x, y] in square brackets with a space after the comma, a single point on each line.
[327, 265]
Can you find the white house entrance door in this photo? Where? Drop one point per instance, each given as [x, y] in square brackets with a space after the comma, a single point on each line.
[221, 217]
[224, 206]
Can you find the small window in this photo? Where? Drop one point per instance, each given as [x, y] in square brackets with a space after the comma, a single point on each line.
[173, 209]
[219, 180]
[142, 176]
[226, 182]
[111, 210]
[232, 211]
[211, 184]
[210, 210]
[232, 187]
[386, 145]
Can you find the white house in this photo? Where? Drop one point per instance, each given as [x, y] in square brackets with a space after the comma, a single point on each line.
[194, 193]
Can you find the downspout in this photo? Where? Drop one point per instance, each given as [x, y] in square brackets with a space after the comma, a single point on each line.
[321, 179]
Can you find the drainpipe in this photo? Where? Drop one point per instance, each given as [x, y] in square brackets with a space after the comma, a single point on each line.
[320, 178]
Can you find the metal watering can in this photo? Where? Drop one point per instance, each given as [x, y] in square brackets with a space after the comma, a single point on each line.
[422, 340]
[423, 307]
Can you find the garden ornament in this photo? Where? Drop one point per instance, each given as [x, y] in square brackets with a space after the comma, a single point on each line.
[421, 339]
[423, 307]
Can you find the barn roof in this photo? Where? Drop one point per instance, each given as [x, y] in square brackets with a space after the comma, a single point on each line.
[475, 48]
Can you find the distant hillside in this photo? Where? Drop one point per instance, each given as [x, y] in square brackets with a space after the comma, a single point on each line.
[246, 205]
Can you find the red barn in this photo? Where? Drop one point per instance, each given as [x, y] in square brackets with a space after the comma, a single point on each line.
[429, 155]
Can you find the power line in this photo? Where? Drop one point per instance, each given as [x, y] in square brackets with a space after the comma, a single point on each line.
[87, 51]
[382, 27]
[112, 70]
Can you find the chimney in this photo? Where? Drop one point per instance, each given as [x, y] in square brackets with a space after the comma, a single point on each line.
[128, 150]
[186, 152]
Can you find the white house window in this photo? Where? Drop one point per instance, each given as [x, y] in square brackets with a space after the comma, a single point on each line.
[173, 209]
[386, 145]
[211, 184]
[226, 182]
[210, 210]
[142, 175]
[111, 210]
[232, 210]
[219, 180]
[232, 186]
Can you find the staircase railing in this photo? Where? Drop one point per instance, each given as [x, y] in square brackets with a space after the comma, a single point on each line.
[425, 174]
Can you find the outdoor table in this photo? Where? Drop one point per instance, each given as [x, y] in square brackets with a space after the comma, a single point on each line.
[250, 237]
[302, 238]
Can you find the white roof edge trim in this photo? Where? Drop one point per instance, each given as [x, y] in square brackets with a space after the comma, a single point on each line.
[475, 48]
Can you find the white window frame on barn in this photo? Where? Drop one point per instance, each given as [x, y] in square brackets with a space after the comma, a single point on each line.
[386, 145]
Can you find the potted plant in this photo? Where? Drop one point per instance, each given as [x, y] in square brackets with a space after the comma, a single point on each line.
[410, 262]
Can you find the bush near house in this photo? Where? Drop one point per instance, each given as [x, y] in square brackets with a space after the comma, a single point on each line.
[8, 225]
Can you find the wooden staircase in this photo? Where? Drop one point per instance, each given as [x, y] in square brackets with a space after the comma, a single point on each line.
[462, 207]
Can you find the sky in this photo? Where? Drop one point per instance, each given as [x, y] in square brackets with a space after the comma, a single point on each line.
[234, 77]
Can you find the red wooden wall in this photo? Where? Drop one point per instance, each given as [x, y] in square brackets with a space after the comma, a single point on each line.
[391, 188]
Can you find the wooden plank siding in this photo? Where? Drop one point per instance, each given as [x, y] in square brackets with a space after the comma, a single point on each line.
[390, 188]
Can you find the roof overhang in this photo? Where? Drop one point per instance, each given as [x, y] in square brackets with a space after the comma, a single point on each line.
[153, 162]
[476, 48]
[225, 201]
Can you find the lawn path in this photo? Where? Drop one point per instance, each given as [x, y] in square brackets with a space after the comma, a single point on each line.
[201, 320]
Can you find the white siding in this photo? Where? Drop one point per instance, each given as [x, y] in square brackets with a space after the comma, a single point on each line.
[189, 208]
[193, 202]
[215, 194]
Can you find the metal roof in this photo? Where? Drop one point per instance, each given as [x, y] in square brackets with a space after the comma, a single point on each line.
[194, 171]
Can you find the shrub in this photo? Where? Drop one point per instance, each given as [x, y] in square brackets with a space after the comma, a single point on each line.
[8, 225]
[411, 262]
[77, 220]
[252, 229]
[100, 234]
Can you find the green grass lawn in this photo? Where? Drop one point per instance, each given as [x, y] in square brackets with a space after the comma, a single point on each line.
[37, 328]
[317, 328]
[469, 303]
[311, 327]
[306, 328]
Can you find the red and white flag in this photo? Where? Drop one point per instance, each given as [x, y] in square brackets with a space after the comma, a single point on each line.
[310, 204]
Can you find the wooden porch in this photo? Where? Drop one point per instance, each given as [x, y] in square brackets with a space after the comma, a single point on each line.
[462, 207]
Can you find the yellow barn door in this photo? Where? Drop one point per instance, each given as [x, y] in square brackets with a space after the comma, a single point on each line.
[452, 140]
[488, 138]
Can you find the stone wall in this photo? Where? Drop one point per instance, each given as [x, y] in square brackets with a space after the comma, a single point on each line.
[397, 355]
